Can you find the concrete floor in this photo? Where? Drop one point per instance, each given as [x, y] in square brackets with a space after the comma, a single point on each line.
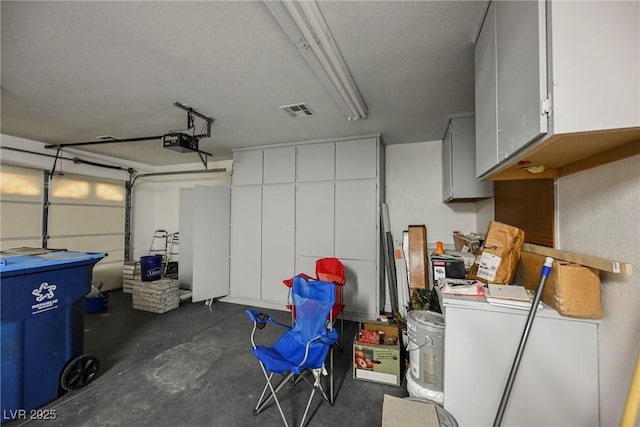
[193, 366]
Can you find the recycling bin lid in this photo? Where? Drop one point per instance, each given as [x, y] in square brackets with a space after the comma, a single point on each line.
[9, 263]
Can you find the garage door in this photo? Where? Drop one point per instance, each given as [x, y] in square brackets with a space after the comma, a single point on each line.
[86, 214]
[20, 207]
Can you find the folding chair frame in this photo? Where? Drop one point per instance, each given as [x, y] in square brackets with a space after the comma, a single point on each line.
[259, 322]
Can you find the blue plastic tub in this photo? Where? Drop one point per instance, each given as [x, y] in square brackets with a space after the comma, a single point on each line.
[42, 324]
[97, 304]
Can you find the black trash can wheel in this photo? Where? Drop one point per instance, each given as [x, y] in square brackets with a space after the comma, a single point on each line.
[79, 372]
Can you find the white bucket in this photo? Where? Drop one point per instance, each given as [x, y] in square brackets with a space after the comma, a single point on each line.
[426, 348]
[417, 391]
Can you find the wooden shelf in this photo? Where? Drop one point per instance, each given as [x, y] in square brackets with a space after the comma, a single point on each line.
[564, 154]
[601, 264]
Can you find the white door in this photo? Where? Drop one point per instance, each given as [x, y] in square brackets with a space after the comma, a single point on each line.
[315, 219]
[246, 248]
[278, 227]
[356, 220]
[486, 95]
[522, 73]
[211, 214]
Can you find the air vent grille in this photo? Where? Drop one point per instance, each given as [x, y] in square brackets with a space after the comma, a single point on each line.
[297, 111]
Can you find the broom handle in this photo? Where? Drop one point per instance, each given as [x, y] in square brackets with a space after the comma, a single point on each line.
[523, 342]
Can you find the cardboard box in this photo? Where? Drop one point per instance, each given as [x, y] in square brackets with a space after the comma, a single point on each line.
[418, 268]
[380, 363]
[498, 261]
[572, 289]
[473, 242]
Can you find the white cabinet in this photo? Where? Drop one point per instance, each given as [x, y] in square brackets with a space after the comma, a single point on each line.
[596, 82]
[511, 80]
[459, 181]
[246, 235]
[247, 167]
[315, 218]
[486, 94]
[557, 380]
[359, 294]
[521, 73]
[315, 162]
[278, 237]
[545, 73]
[357, 159]
[279, 165]
[315, 200]
[356, 220]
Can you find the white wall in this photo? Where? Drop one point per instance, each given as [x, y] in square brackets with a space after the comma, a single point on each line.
[414, 194]
[598, 215]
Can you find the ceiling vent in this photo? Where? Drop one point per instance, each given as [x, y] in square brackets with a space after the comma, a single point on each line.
[297, 110]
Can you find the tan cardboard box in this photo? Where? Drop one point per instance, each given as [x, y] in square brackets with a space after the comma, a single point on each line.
[500, 254]
[381, 363]
[572, 289]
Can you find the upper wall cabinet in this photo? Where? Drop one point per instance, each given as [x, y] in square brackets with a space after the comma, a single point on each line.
[486, 94]
[357, 159]
[553, 95]
[459, 183]
[511, 75]
[247, 167]
[316, 162]
[279, 165]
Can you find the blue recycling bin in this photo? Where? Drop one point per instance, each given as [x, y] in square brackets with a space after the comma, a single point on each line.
[42, 328]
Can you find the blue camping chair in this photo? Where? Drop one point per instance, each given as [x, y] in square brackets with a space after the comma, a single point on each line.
[303, 347]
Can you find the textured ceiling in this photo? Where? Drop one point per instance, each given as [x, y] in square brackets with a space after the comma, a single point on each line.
[72, 71]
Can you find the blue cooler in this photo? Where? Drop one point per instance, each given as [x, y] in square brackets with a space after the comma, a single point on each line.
[42, 327]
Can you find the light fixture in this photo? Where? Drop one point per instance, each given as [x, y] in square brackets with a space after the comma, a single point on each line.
[305, 26]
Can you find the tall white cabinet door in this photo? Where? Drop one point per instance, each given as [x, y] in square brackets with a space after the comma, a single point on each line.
[357, 159]
[315, 162]
[278, 228]
[314, 219]
[522, 75]
[211, 211]
[486, 95]
[247, 167]
[246, 236]
[306, 264]
[360, 293]
[356, 219]
[279, 165]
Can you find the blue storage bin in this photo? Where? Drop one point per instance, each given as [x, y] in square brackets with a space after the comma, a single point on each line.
[42, 324]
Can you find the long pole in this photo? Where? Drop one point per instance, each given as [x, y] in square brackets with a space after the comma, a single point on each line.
[546, 269]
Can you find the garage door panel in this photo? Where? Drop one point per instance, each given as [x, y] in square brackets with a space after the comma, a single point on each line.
[76, 189]
[110, 244]
[20, 243]
[28, 225]
[70, 220]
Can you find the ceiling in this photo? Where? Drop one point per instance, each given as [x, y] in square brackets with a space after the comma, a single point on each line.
[72, 71]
